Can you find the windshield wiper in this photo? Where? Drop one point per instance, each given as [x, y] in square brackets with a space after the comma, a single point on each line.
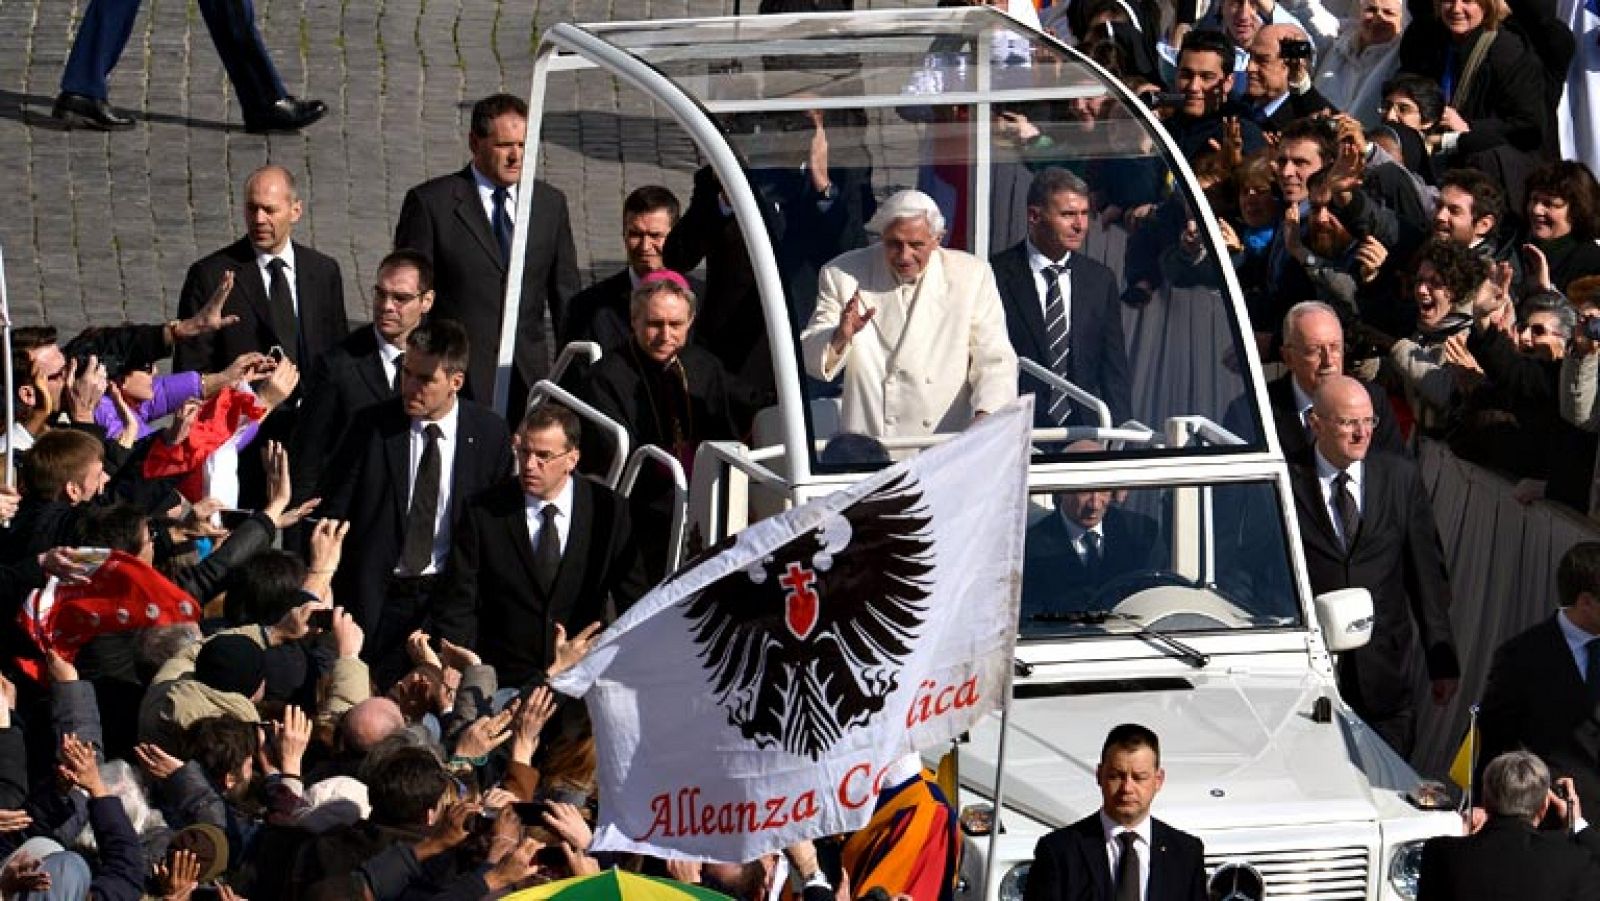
[1156, 637]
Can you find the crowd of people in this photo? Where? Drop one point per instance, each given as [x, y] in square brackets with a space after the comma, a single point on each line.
[283, 615]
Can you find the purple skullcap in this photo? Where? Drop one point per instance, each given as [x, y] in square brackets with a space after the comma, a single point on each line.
[666, 275]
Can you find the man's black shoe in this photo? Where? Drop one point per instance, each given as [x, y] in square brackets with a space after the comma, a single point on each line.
[287, 114]
[78, 109]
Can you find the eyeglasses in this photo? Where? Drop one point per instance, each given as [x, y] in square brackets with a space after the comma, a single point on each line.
[400, 297]
[1349, 423]
[543, 457]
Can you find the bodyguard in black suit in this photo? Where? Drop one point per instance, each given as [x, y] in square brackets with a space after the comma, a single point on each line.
[1544, 684]
[1083, 343]
[406, 471]
[600, 312]
[364, 368]
[463, 223]
[546, 548]
[1509, 858]
[1365, 521]
[285, 294]
[1121, 853]
[1313, 350]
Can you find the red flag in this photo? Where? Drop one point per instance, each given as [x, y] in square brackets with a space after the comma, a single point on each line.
[219, 420]
[122, 593]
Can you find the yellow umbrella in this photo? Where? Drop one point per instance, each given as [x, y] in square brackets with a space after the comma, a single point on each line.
[617, 885]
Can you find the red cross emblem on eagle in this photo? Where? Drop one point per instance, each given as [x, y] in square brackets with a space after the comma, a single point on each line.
[806, 644]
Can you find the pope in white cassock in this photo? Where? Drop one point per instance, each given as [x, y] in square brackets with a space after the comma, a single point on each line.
[917, 328]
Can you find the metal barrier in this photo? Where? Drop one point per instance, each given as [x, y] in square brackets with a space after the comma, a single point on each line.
[1049, 377]
[680, 494]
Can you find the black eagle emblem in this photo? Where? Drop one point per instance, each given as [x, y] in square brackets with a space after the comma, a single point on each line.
[805, 644]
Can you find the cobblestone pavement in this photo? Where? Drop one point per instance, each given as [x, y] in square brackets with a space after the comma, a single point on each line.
[101, 228]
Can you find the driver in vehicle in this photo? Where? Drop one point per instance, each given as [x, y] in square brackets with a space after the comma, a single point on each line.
[1086, 543]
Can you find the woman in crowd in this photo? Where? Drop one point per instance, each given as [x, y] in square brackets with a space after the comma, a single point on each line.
[1563, 222]
[1448, 277]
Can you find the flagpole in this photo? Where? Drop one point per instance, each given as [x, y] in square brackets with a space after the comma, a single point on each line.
[11, 390]
[999, 782]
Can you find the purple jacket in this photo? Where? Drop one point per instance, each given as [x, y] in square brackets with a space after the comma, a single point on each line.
[170, 393]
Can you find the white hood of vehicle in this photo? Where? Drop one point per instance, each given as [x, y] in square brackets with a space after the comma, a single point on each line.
[1240, 750]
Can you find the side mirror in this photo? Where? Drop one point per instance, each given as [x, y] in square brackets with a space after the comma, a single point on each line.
[1346, 618]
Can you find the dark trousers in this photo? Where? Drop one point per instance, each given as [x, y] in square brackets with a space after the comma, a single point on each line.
[107, 25]
[405, 609]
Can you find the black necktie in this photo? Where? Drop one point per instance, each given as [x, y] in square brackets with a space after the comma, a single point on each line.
[502, 224]
[1055, 329]
[1345, 502]
[399, 371]
[1092, 550]
[1592, 677]
[1128, 868]
[547, 553]
[417, 552]
[281, 301]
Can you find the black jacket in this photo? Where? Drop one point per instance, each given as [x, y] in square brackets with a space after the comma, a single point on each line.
[1509, 860]
[444, 220]
[1396, 556]
[1097, 360]
[490, 599]
[345, 380]
[319, 296]
[1070, 864]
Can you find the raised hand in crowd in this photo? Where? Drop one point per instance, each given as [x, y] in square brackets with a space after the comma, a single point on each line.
[129, 436]
[296, 624]
[23, 873]
[80, 767]
[280, 490]
[817, 153]
[1536, 269]
[8, 701]
[64, 564]
[277, 387]
[59, 669]
[515, 867]
[294, 736]
[1463, 365]
[177, 431]
[327, 548]
[84, 389]
[246, 367]
[348, 636]
[208, 318]
[420, 650]
[158, 763]
[14, 821]
[1370, 257]
[178, 875]
[10, 499]
[456, 657]
[685, 871]
[485, 734]
[1230, 238]
[531, 717]
[566, 821]
[568, 652]
[452, 828]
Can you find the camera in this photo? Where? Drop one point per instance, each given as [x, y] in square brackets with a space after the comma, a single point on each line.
[1292, 49]
[1591, 328]
[320, 619]
[1160, 100]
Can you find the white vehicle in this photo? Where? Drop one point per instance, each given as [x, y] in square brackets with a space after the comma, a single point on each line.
[1209, 634]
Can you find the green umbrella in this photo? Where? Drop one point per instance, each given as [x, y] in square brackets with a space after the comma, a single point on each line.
[617, 885]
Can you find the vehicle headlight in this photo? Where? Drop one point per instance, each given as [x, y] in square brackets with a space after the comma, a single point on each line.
[1405, 868]
[1015, 882]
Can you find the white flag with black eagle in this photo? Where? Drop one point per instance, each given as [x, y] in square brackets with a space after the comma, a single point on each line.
[754, 699]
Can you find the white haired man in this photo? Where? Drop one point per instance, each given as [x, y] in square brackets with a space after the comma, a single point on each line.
[917, 329]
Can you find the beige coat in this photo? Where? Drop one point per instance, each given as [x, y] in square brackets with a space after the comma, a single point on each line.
[934, 353]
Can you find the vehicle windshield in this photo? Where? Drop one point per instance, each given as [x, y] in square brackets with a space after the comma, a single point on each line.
[1193, 558]
[1031, 156]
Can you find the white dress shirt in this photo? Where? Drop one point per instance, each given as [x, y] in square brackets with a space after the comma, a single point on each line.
[287, 256]
[1577, 642]
[388, 355]
[1326, 472]
[1036, 263]
[1076, 532]
[486, 197]
[447, 467]
[1112, 829]
[535, 513]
